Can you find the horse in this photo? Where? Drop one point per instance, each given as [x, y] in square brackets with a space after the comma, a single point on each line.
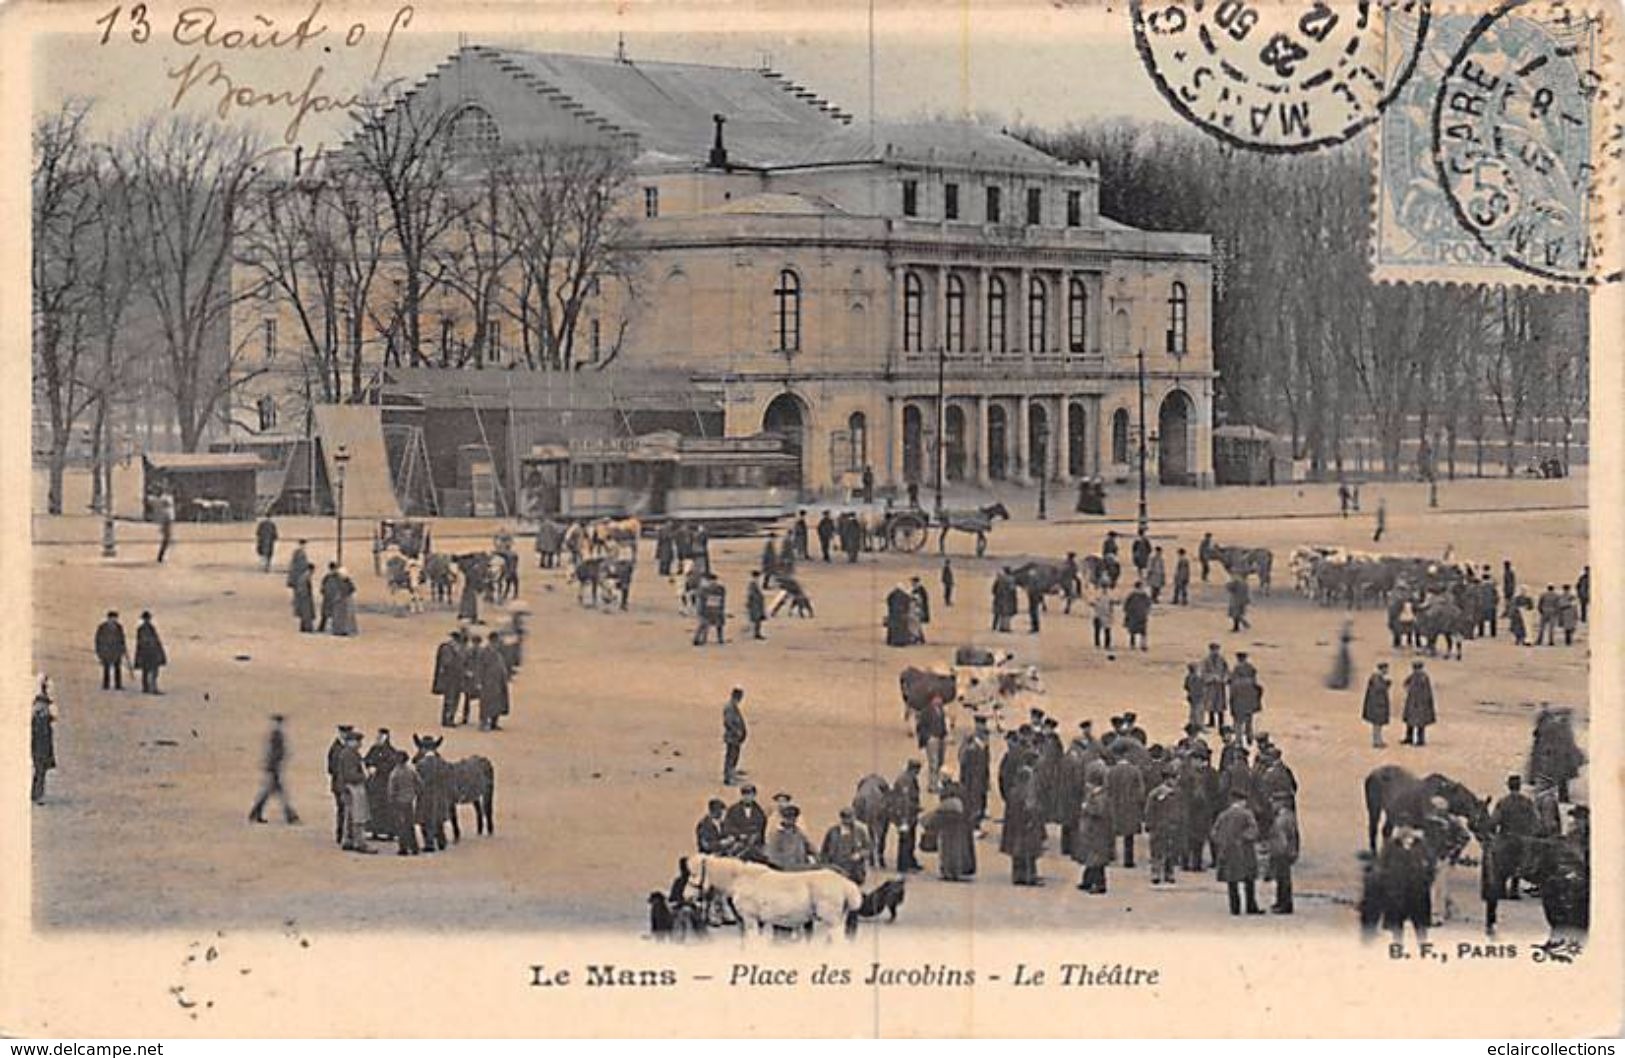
[979, 521]
[1396, 797]
[404, 576]
[473, 782]
[441, 574]
[609, 534]
[601, 575]
[1049, 578]
[872, 807]
[1245, 561]
[1440, 616]
[797, 900]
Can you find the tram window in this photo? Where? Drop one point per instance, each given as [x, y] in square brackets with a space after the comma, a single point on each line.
[581, 475]
[637, 475]
[691, 477]
[781, 477]
[613, 474]
[755, 477]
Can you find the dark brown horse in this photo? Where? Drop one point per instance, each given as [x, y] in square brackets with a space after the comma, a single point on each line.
[1397, 798]
[472, 780]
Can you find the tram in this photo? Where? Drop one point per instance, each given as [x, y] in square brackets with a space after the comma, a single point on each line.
[663, 477]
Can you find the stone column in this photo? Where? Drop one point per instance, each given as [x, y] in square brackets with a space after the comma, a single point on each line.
[894, 441]
[1016, 320]
[1063, 450]
[981, 447]
[1024, 456]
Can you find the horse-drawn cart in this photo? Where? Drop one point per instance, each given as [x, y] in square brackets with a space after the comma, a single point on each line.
[409, 537]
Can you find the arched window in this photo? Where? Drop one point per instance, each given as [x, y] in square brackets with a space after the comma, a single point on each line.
[473, 131]
[995, 315]
[857, 429]
[1120, 436]
[1178, 310]
[787, 311]
[913, 308]
[1077, 316]
[1037, 316]
[266, 407]
[956, 315]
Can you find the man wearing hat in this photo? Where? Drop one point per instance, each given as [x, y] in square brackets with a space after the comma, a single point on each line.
[149, 654]
[1010, 766]
[905, 793]
[847, 846]
[975, 758]
[449, 666]
[276, 755]
[734, 733]
[112, 651]
[708, 831]
[352, 776]
[334, 752]
[1235, 852]
[931, 732]
[1376, 709]
[788, 847]
[1165, 823]
[1514, 822]
[1283, 845]
[745, 824]
[1246, 695]
[1419, 709]
[1133, 730]
[1215, 672]
[1201, 799]
[1125, 791]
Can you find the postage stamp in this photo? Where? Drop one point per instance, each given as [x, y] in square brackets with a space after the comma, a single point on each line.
[1493, 161]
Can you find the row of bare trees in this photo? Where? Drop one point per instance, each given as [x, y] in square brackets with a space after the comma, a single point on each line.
[1305, 342]
[147, 244]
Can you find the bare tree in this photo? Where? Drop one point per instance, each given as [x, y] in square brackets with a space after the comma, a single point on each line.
[66, 211]
[479, 248]
[189, 182]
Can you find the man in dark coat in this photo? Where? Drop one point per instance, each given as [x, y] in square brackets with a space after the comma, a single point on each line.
[1283, 846]
[334, 751]
[798, 537]
[899, 605]
[922, 599]
[1215, 679]
[331, 588]
[708, 831]
[956, 837]
[493, 676]
[744, 826]
[826, 534]
[42, 742]
[149, 654]
[352, 776]
[402, 790]
[847, 846]
[276, 757]
[265, 542]
[112, 651]
[1022, 838]
[931, 733]
[755, 605]
[304, 598]
[1419, 708]
[1165, 823]
[1073, 782]
[300, 562]
[1235, 851]
[1554, 756]
[1199, 796]
[1195, 693]
[713, 607]
[1514, 822]
[905, 812]
[449, 666]
[1137, 616]
[1582, 594]
[1140, 551]
[381, 759]
[851, 535]
[1010, 767]
[1182, 579]
[665, 548]
[1093, 845]
[1246, 695]
[947, 582]
[974, 769]
[1376, 710]
[1125, 791]
[734, 734]
[1239, 597]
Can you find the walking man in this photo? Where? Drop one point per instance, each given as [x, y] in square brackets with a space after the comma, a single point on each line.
[1376, 709]
[947, 582]
[276, 756]
[41, 739]
[265, 542]
[826, 534]
[713, 607]
[1239, 598]
[733, 737]
[112, 651]
[149, 654]
[1382, 519]
[755, 605]
[1182, 579]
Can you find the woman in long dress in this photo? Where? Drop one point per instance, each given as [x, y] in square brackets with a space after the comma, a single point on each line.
[344, 623]
[956, 840]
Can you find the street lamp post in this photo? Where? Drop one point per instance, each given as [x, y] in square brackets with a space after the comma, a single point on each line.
[942, 419]
[341, 460]
[1145, 518]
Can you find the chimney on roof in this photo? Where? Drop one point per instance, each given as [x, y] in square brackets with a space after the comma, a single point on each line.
[719, 153]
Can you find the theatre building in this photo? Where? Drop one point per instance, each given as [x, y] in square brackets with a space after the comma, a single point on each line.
[864, 290]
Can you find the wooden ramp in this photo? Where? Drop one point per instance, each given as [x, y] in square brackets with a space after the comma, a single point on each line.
[369, 489]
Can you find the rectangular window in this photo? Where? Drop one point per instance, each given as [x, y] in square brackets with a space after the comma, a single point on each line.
[911, 198]
[493, 341]
[270, 338]
[651, 202]
[1074, 208]
[995, 200]
[950, 201]
[1035, 205]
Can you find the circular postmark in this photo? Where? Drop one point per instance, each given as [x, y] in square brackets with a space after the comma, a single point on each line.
[1279, 78]
[1516, 144]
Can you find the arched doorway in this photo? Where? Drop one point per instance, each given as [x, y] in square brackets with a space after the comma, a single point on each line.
[1038, 440]
[786, 417]
[1173, 444]
[953, 425]
[997, 442]
[1077, 449]
[1120, 437]
[857, 431]
[913, 444]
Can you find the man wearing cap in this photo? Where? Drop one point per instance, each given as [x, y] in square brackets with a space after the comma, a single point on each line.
[1125, 791]
[733, 736]
[449, 667]
[755, 605]
[1215, 672]
[1200, 799]
[1283, 846]
[276, 755]
[1164, 822]
[788, 847]
[1514, 822]
[112, 651]
[334, 751]
[1376, 709]
[826, 533]
[1419, 709]
[708, 831]
[905, 807]
[404, 788]
[975, 758]
[713, 609]
[847, 846]
[1092, 848]
[931, 731]
[744, 826]
[352, 776]
[381, 759]
[1246, 695]
[1235, 852]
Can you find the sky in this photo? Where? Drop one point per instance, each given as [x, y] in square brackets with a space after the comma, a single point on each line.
[1040, 63]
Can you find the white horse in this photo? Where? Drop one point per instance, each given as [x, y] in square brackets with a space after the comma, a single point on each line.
[759, 894]
[405, 578]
